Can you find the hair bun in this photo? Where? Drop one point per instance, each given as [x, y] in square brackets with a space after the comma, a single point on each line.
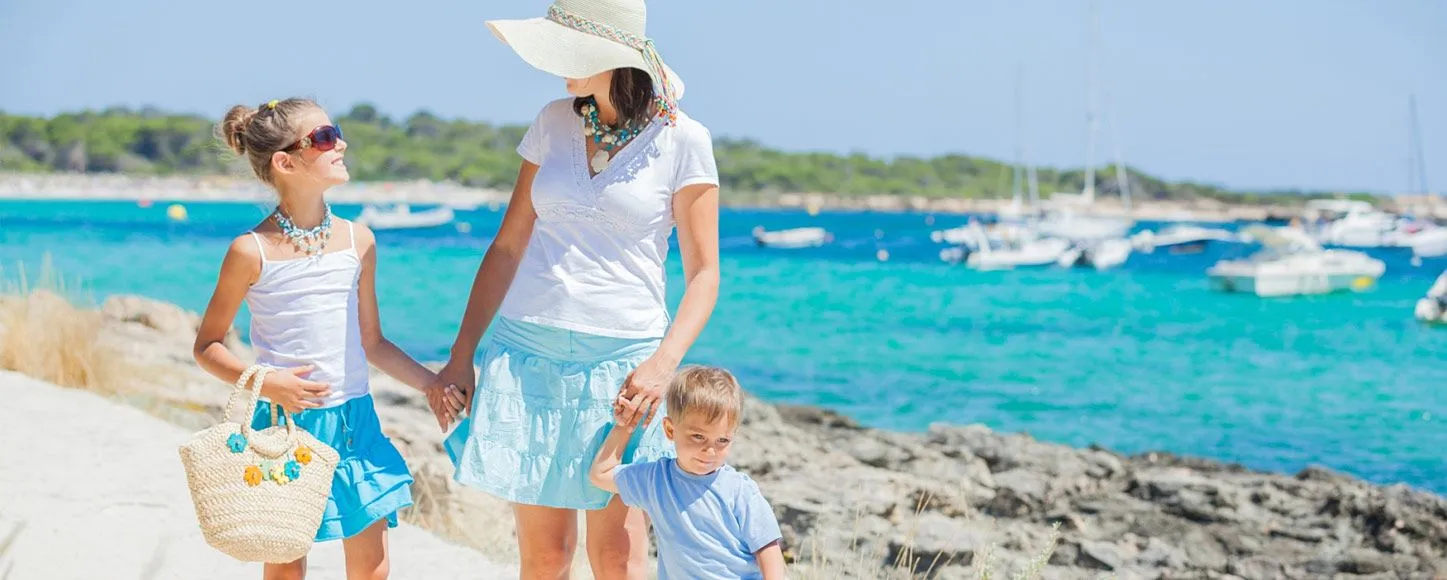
[233, 127]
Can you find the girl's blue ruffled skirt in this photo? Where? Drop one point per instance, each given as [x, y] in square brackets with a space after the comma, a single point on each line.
[372, 481]
[542, 408]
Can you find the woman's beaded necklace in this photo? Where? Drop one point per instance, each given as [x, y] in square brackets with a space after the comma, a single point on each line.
[606, 137]
[311, 242]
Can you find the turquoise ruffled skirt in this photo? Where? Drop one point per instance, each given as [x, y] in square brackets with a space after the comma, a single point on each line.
[543, 406]
[372, 481]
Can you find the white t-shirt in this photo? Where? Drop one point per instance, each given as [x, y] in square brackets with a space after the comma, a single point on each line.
[594, 263]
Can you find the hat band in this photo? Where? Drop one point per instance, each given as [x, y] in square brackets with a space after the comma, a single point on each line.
[667, 102]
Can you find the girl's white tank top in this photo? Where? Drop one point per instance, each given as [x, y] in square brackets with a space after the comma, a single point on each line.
[304, 312]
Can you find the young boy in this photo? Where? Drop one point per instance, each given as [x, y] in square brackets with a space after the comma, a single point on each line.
[710, 521]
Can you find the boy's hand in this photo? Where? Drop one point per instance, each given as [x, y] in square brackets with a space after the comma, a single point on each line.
[625, 411]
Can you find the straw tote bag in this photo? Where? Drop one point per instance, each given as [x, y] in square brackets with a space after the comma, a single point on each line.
[259, 495]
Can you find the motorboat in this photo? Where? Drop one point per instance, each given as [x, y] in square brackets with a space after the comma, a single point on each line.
[807, 237]
[1433, 307]
[1033, 253]
[401, 217]
[1181, 239]
[1428, 243]
[1102, 255]
[1292, 263]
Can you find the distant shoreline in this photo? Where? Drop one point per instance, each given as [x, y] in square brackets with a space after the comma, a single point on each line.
[221, 188]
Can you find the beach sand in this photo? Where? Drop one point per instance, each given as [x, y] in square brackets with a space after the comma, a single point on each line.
[98, 491]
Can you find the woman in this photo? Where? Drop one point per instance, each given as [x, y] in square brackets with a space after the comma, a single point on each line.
[575, 278]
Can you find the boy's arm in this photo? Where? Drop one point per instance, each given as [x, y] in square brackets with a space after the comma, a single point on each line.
[610, 456]
[771, 561]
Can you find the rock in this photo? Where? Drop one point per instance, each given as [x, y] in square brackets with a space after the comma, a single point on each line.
[936, 541]
[1018, 492]
[1257, 567]
[168, 321]
[1203, 551]
[1100, 556]
[1160, 554]
[844, 493]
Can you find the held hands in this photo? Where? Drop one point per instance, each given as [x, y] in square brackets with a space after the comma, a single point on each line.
[450, 396]
[287, 388]
[446, 402]
[642, 392]
[624, 417]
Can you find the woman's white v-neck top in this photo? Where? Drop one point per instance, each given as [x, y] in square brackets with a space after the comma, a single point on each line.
[595, 261]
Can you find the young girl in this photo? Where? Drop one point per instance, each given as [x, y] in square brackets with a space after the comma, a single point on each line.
[308, 279]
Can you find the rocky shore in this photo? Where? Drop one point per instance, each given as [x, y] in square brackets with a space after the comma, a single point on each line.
[863, 503]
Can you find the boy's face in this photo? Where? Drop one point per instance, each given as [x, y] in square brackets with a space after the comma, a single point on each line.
[702, 445]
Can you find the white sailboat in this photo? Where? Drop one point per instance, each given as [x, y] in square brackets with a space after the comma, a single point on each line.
[1074, 216]
[1022, 178]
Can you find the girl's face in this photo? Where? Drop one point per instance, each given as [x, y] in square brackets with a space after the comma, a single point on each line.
[591, 86]
[319, 160]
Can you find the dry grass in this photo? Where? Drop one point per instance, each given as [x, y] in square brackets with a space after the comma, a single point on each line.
[44, 335]
[5, 545]
[906, 565]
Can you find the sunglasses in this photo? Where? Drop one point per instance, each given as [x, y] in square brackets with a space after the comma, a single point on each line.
[324, 138]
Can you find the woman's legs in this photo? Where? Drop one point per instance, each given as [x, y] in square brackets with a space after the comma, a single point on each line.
[547, 538]
[289, 571]
[618, 542]
[367, 553]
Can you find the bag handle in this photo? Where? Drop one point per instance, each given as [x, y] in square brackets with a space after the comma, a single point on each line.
[256, 375]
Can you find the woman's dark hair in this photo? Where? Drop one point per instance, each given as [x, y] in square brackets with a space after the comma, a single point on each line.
[631, 92]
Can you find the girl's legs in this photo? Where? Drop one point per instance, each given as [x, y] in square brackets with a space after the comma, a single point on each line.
[547, 538]
[618, 542]
[290, 571]
[367, 553]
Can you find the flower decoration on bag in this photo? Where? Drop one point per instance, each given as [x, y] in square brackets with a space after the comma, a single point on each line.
[292, 470]
[278, 474]
[303, 455]
[236, 443]
[252, 476]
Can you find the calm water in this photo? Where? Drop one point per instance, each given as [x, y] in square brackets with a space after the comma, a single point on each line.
[1144, 357]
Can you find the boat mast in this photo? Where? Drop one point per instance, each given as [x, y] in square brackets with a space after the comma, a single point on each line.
[1416, 162]
[1090, 122]
[1018, 174]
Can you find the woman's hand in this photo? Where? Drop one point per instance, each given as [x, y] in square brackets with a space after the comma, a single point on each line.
[446, 401]
[287, 388]
[643, 391]
[461, 376]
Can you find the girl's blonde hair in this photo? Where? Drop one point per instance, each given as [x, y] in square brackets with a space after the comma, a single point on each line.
[710, 391]
[258, 133]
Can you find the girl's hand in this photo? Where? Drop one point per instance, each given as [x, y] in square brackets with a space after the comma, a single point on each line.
[446, 402]
[461, 376]
[643, 390]
[285, 387]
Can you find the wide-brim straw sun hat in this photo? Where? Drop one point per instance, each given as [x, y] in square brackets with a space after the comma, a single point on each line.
[581, 38]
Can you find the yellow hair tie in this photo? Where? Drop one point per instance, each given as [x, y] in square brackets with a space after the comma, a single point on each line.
[272, 104]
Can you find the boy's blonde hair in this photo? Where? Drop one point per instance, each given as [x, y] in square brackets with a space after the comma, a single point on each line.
[710, 391]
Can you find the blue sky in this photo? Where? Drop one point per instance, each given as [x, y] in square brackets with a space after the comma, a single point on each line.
[1278, 94]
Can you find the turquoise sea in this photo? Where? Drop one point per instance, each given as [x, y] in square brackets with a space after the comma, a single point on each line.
[1145, 357]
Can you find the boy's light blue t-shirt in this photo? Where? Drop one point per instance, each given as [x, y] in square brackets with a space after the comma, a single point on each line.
[708, 526]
